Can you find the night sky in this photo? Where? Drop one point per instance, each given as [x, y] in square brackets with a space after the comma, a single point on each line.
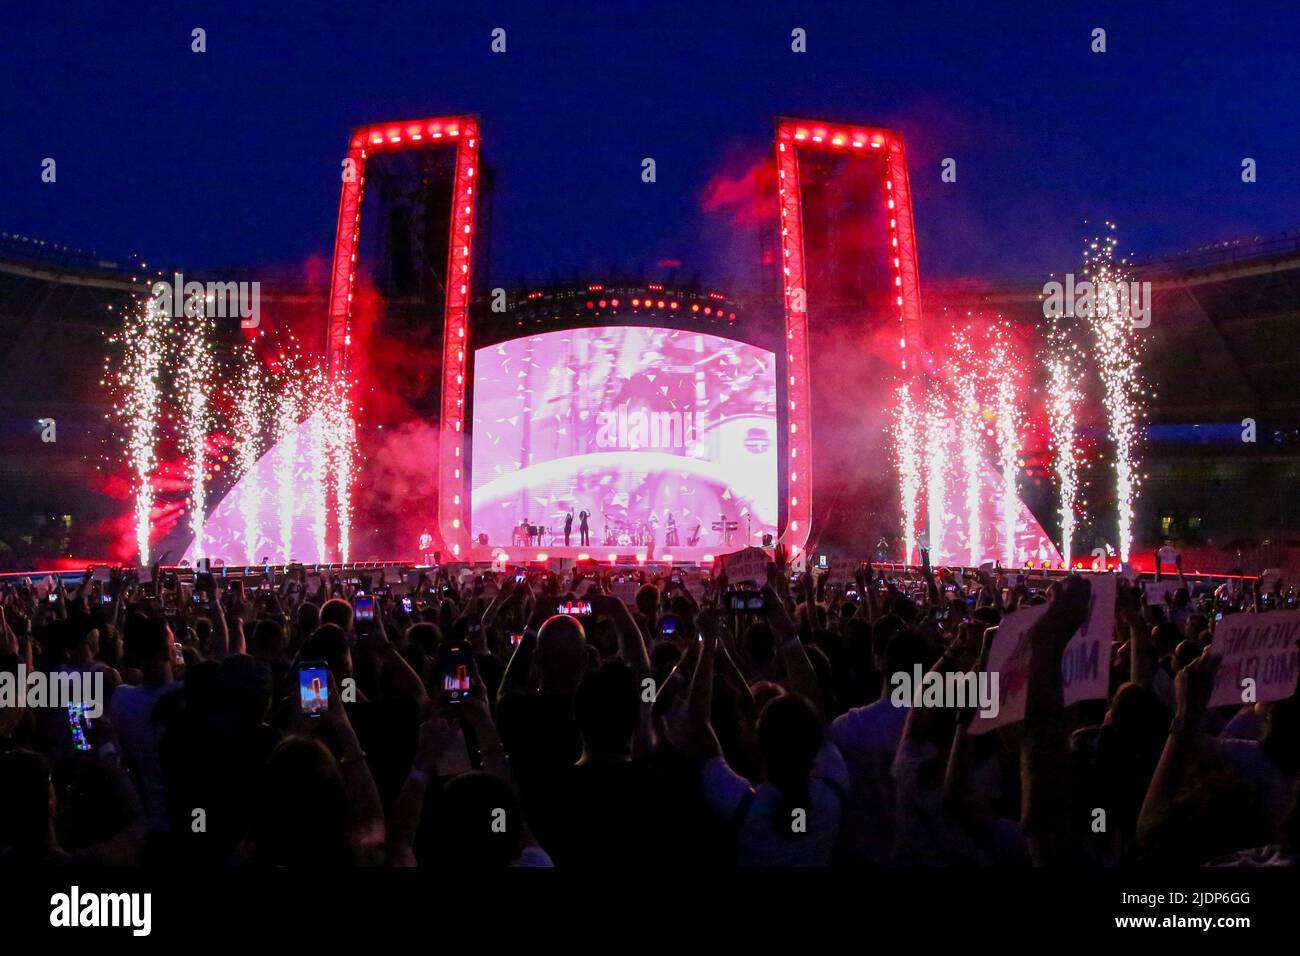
[231, 157]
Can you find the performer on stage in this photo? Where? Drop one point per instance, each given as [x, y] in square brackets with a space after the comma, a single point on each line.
[582, 527]
[426, 547]
[568, 527]
[670, 536]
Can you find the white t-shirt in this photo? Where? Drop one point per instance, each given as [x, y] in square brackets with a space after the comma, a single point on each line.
[927, 835]
[758, 841]
[868, 738]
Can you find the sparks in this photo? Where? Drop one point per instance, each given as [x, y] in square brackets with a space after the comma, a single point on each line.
[1117, 363]
[906, 435]
[1062, 414]
[1006, 419]
[249, 424]
[938, 428]
[145, 342]
[970, 430]
[193, 382]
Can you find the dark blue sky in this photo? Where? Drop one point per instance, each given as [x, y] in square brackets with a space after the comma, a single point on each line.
[232, 157]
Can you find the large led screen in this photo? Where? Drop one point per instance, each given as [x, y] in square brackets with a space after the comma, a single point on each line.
[658, 434]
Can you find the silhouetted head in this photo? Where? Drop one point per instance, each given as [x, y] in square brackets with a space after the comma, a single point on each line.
[561, 653]
[308, 617]
[268, 639]
[338, 612]
[301, 814]
[790, 736]
[149, 645]
[606, 708]
[329, 644]
[647, 601]
[479, 822]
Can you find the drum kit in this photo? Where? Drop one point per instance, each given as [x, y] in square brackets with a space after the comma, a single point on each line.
[628, 534]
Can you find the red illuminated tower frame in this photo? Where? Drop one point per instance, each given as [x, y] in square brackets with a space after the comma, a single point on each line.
[462, 132]
[792, 137]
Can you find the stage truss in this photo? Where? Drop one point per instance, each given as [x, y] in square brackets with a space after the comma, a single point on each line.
[462, 134]
[792, 137]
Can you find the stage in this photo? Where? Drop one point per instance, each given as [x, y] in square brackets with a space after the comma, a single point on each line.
[613, 554]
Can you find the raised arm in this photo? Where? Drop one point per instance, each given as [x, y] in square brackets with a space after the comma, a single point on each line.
[515, 678]
[1044, 752]
[436, 737]
[1128, 618]
[700, 701]
[1193, 688]
[803, 679]
[632, 648]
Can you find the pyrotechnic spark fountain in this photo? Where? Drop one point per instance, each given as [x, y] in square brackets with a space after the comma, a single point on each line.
[1061, 412]
[193, 383]
[288, 413]
[145, 341]
[1006, 422]
[970, 432]
[340, 444]
[1116, 355]
[281, 505]
[906, 430]
[248, 427]
[937, 429]
[318, 461]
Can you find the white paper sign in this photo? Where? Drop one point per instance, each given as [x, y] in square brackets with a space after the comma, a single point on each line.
[1009, 659]
[1156, 591]
[1085, 665]
[747, 564]
[1261, 647]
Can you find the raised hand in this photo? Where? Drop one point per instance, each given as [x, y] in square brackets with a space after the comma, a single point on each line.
[437, 736]
[1066, 612]
[777, 617]
[1194, 686]
[779, 556]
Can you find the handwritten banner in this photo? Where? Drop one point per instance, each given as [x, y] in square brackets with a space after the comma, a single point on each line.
[1259, 647]
[1085, 665]
[747, 564]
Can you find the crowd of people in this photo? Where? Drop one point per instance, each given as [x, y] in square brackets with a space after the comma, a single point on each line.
[527, 718]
